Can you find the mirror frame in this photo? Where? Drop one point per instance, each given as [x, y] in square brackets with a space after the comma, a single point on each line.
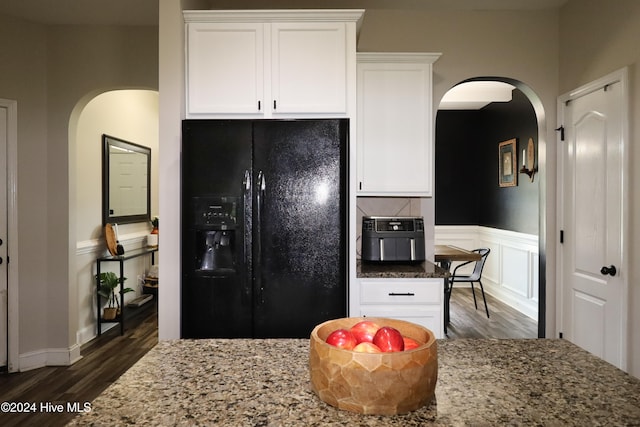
[107, 142]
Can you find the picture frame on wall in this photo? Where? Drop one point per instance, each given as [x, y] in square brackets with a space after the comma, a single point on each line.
[508, 163]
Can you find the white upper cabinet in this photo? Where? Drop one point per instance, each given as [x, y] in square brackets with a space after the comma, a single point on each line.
[309, 67]
[394, 126]
[270, 64]
[224, 68]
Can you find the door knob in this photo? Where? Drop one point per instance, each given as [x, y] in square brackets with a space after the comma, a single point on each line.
[611, 271]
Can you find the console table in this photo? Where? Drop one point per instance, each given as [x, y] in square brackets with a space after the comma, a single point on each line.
[135, 253]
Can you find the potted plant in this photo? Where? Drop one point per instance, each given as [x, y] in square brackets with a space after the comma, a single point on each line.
[108, 284]
[152, 238]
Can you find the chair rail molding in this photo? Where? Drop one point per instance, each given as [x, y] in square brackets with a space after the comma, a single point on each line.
[95, 246]
[511, 272]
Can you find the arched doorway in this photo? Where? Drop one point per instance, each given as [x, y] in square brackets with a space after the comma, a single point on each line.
[471, 209]
[129, 114]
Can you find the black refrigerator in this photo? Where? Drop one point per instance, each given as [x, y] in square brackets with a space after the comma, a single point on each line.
[264, 227]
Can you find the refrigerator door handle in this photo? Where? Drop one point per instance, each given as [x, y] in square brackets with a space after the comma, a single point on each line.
[247, 181]
[247, 223]
[258, 243]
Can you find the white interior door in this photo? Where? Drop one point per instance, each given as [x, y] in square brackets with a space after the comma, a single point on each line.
[3, 235]
[593, 259]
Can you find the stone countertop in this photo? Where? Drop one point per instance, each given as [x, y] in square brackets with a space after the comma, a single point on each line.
[245, 382]
[381, 270]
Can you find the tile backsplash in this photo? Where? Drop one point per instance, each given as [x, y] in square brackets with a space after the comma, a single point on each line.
[385, 206]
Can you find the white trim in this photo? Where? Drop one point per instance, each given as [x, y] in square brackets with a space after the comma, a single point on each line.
[398, 57]
[559, 216]
[276, 15]
[622, 76]
[13, 339]
[92, 246]
[49, 357]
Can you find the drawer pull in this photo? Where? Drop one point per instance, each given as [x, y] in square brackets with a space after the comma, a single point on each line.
[406, 294]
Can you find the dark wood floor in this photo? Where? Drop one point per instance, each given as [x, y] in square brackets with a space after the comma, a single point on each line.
[103, 361]
[107, 357]
[504, 321]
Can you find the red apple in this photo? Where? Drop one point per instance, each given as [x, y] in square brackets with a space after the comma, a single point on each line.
[367, 347]
[389, 339]
[342, 338]
[364, 331]
[410, 343]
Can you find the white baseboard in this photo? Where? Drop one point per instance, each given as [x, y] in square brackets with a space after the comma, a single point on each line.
[511, 272]
[49, 357]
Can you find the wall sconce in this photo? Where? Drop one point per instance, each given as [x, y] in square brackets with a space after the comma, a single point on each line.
[528, 160]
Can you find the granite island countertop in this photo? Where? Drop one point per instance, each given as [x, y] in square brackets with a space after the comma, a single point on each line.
[245, 382]
[388, 270]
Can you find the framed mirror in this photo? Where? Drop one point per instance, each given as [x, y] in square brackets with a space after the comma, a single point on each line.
[126, 181]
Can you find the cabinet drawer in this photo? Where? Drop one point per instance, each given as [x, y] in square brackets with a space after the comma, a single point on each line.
[430, 318]
[401, 292]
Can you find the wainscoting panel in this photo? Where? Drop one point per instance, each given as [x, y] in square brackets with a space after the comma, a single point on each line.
[515, 270]
[534, 288]
[511, 271]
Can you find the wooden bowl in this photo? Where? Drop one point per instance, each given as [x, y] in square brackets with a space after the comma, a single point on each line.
[374, 383]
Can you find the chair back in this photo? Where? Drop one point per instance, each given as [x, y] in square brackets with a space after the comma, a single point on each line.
[477, 270]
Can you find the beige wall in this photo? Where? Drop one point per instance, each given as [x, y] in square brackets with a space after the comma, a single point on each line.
[597, 38]
[23, 78]
[171, 113]
[48, 70]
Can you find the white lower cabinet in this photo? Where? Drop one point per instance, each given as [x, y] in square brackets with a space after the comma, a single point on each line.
[415, 300]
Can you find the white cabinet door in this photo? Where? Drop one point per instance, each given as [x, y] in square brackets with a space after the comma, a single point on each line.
[395, 134]
[309, 68]
[225, 63]
[429, 317]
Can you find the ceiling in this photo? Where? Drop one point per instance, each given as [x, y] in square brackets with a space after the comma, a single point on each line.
[145, 12]
[476, 95]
